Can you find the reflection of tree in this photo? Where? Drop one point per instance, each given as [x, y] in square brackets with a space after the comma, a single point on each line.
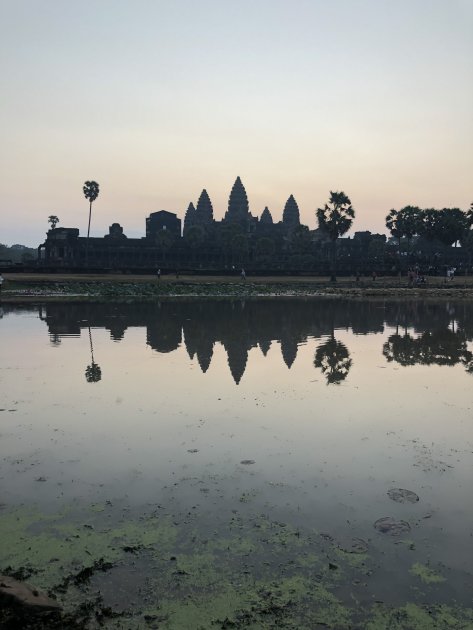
[400, 348]
[438, 347]
[93, 373]
[333, 358]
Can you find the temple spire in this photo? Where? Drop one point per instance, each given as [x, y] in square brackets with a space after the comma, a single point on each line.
[204, 212]
[238, 209]
[290, 217]
[190, 218]
[266, 218]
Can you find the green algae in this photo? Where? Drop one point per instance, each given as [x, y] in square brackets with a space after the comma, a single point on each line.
[240, 545]
[426, 574]
[357, 561]
[417, 617]
[249, 572]
[285, 603]
[52, 547]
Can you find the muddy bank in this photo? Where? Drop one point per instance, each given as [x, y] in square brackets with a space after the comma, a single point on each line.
[122, 287]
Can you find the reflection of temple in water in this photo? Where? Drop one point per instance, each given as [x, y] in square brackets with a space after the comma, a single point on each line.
[240, 326]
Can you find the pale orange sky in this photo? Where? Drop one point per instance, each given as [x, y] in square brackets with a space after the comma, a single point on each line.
[156, 100]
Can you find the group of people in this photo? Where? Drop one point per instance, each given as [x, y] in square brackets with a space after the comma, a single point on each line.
[414, 276]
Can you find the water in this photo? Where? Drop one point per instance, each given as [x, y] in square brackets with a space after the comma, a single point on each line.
[224, 462]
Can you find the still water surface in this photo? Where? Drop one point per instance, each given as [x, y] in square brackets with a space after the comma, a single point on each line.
[259, 440]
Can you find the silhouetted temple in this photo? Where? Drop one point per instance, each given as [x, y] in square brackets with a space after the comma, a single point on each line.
[239, 238]
[64, 247]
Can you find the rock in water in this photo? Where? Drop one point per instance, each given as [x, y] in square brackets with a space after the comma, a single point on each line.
[25, 595]
[391, 526]
[353, 545]
[400, 495]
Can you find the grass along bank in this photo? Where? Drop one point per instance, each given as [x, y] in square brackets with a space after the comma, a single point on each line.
[27, 287]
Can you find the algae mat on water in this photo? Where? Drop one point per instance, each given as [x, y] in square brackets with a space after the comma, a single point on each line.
[119, 569]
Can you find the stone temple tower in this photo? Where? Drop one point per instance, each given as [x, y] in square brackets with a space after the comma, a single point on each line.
[204, 213]
[238, 210]
[290, 217]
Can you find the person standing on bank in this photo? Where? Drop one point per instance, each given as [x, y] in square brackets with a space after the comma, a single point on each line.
[1, 282]
[243, 274]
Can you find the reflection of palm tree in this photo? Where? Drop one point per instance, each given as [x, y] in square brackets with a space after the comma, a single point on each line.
[93, 373]
[333, 358]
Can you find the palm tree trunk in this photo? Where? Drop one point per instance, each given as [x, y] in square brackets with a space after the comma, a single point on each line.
[88, 233]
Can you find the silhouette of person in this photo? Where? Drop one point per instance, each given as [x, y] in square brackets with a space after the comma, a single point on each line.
[243, 274]
[158, 273]
[1, 282]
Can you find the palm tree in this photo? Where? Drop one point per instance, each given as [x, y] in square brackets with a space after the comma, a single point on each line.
[91, 192]
[93, 372]
[335, 218]
[53, 220]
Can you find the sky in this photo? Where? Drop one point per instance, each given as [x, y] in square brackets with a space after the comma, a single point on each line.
[158, 99]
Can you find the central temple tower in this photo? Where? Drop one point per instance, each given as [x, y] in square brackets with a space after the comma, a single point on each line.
[238, 210]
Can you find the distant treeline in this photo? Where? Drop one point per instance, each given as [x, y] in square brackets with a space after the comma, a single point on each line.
[17, 254]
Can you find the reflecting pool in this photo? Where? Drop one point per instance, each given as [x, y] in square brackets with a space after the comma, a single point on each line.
[295, 463]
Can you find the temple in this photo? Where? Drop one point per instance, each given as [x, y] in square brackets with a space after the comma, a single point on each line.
[239, 238]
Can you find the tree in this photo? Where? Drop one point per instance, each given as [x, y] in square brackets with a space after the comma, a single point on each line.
[469, 215]
[334, 219]
[53, 220]
[452, 223]
[404, 223]
[409, 217]
[91, 192]
[428, 224]
[333, 358]
[300, 240]
[466, 240]
[396, 230]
